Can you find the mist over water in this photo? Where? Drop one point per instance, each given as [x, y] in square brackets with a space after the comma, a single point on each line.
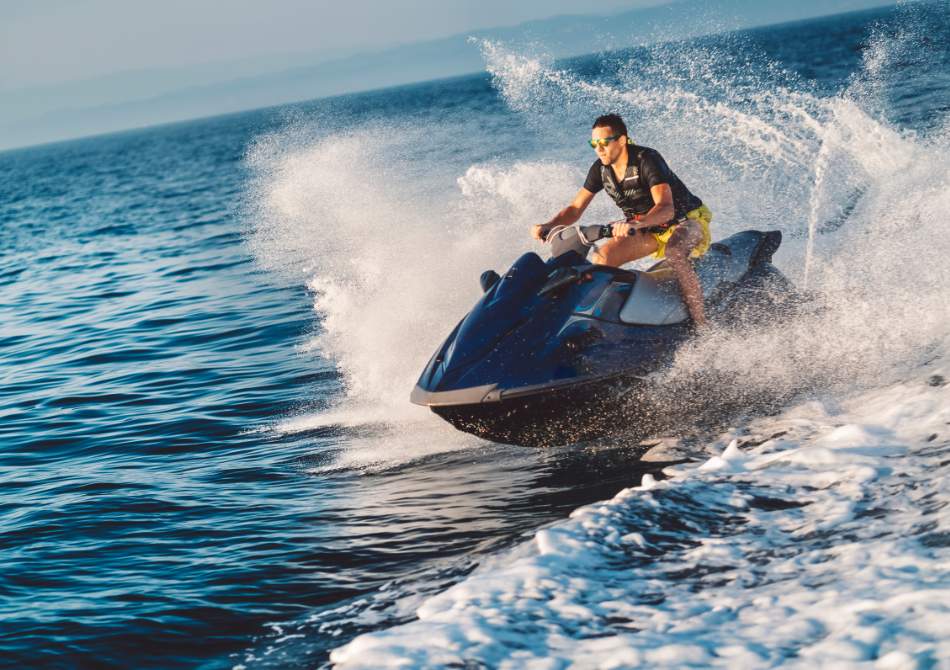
[393, 268]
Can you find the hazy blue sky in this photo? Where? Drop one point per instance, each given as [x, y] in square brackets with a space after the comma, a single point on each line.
[50, 41]
[80, 67]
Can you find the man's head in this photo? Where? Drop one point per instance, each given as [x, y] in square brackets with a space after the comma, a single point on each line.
[608, 136]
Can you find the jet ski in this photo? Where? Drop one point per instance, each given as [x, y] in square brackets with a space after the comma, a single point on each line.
[552, 348]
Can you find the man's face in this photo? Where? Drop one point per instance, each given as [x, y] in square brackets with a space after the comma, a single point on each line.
[608, 154]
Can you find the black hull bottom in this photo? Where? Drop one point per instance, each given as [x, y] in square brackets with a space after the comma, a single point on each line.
[555, 417]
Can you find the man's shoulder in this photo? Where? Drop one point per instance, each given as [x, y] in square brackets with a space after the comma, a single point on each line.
[595, 171]
[594, 180]
[650, 160]
[646, 152]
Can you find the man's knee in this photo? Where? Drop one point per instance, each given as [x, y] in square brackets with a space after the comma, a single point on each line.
[681, 243]
[677, 252]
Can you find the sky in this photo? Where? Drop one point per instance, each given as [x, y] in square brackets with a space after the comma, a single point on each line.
[50, 41]
[70, 68]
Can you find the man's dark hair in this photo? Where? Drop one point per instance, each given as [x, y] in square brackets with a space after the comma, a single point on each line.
[612, 121]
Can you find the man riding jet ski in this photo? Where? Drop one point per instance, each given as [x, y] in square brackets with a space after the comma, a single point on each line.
[561, 351]
[674, 223]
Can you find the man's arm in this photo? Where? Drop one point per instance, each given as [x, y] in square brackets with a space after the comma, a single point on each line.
[659, 215]
[568, 215]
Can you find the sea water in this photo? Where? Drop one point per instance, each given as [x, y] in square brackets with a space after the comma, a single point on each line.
[210, 330]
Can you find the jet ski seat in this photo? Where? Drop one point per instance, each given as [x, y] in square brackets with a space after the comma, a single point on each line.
[655, 299]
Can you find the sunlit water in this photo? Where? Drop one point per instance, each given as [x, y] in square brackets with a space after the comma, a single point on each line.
[210, 330]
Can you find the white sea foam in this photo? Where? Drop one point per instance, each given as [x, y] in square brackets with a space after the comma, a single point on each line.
[823, 546]
[391, 255]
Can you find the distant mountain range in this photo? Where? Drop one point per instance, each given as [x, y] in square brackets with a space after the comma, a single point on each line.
[131, 100]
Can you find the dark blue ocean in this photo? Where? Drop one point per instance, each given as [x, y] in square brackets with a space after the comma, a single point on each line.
[209, 332]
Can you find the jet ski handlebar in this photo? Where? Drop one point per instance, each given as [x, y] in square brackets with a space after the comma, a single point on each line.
[581, 238]
[637, 227]
[605, 231]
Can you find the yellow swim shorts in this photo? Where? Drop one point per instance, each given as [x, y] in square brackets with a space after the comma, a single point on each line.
[701, 214]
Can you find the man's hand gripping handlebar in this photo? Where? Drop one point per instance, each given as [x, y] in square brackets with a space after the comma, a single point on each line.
[620, 228]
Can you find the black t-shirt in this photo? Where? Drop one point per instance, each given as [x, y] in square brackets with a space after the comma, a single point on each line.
[645, 169]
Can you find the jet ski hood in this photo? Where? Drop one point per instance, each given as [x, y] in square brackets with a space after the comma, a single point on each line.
[517, 313]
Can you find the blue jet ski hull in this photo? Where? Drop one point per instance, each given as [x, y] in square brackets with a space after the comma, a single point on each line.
[547, 416]
[561, 351]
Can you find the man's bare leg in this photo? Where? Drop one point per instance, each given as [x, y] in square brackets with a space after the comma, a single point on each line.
[618, 251]
[686, 236]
